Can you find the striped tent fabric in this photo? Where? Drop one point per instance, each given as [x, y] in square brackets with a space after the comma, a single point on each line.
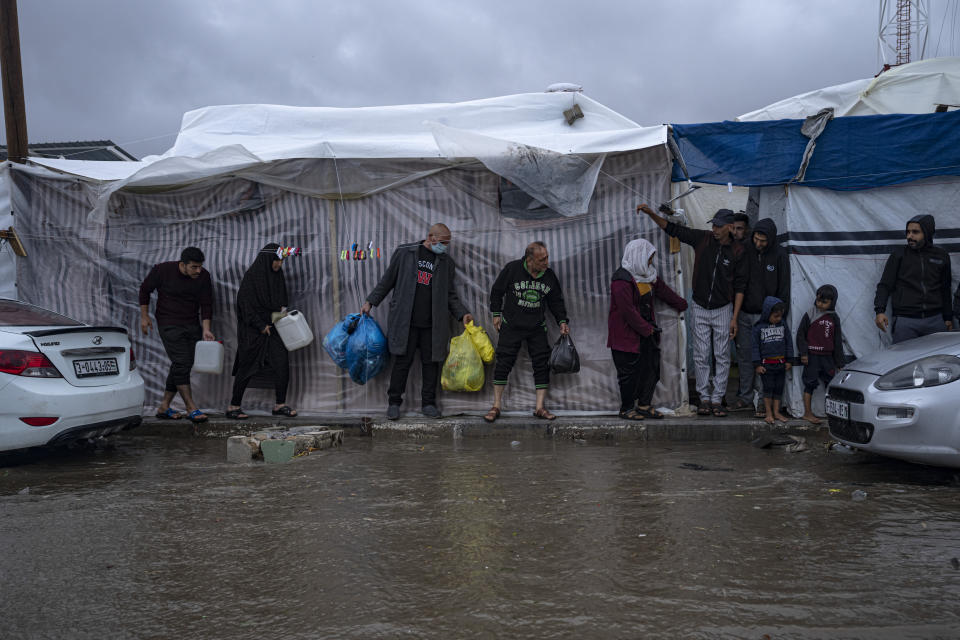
[93, 272]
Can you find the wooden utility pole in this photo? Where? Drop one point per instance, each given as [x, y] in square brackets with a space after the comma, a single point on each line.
[14, 112]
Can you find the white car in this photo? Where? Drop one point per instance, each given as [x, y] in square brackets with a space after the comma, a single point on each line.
[902, 402]
[61, 380]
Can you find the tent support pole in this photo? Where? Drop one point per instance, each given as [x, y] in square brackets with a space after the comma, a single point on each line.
[335, 274]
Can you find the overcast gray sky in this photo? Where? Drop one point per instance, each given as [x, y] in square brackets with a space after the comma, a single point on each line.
[127, 70]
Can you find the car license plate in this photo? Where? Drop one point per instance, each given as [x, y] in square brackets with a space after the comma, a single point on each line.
[837, 408]
[99, 367]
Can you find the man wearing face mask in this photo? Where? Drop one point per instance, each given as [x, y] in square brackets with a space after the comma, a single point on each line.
[422, 278]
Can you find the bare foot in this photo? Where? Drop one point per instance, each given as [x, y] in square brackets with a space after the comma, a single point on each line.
[812, 419]
[768, 420]
[781, 417]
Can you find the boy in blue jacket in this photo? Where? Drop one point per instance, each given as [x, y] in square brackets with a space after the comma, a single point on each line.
[772, 351]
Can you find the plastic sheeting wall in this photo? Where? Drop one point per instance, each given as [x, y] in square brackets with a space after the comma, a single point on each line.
[844, 239]
[93, 272]
[8, 260]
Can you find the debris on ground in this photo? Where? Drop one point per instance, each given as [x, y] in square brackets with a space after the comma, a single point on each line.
[793, 444]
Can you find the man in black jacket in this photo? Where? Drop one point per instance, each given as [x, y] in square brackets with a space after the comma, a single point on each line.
[917, 281]
[719, 280]
[768, 274]
[422, 277]
[518, 301]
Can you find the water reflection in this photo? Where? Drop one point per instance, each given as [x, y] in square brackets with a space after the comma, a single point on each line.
[476, 538]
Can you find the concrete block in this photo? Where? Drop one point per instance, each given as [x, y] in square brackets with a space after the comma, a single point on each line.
[277, 450]
[241, 448]
[302, 442]
[327, 439]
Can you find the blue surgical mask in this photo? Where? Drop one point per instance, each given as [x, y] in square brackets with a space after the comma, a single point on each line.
[438, 248]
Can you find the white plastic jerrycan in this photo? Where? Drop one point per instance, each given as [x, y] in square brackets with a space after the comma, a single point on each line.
[208, 357]
[294, 330]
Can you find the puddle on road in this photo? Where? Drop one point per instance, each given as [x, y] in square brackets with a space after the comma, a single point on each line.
[162, 538]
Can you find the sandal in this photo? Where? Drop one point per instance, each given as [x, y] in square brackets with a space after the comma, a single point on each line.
[705, 409]
[169, 414]
[719, 412]
[285, 411]
[236, 414]
[650, 412]
[543, 414]
[632, 414]
[492, 415]
[759, 414]
[196, 416]
[741, 405]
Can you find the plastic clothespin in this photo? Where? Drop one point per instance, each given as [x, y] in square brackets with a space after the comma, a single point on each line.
[378, 252]
[343, 254]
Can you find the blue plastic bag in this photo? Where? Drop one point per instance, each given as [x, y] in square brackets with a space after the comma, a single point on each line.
[366, 350]
[335, 342]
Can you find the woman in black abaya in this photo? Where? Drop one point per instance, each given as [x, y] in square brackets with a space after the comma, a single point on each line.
[263, 291]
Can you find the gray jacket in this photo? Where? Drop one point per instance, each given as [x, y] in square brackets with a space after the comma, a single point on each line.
[401, 277]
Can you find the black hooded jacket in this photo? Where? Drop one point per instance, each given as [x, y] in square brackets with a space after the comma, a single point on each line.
[917, 281]
[768, 270]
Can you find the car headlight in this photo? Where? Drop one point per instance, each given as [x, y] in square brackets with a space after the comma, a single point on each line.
[931, 371]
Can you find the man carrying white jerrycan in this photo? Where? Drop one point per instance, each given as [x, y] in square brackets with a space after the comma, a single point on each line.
[422, 277]
[183, 289]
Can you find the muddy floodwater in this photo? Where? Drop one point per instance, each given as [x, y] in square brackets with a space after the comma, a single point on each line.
[487, 538]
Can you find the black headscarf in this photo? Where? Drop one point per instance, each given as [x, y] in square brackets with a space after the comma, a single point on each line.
[262, 290]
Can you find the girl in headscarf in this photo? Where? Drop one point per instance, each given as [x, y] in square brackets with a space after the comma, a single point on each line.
[632, 332]
[263, 291]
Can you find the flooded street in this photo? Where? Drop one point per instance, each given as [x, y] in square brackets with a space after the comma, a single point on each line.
[161, 538]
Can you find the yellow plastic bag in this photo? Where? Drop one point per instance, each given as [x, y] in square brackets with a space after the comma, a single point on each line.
[481, 341]
[463, 370]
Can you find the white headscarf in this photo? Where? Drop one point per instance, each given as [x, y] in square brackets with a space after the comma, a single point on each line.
[636, 258]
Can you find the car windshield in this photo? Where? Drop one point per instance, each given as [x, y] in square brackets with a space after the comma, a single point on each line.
[21, 314]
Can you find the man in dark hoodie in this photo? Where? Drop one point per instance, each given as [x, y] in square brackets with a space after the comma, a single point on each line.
[917, 281]
[768, 275]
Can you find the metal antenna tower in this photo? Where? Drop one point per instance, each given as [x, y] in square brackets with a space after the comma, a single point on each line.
[903, 31]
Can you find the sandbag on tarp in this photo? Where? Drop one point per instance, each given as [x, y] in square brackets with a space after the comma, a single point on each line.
[366, 350]
[335, 342]
[463, 368]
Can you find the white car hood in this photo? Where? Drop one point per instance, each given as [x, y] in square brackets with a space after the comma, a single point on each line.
[886, 360]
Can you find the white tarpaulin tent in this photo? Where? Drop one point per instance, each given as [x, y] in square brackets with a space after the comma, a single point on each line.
[844, 237]
[500, 172]
[917, 87]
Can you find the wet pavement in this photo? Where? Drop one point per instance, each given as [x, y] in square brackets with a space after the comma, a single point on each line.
[159, 537]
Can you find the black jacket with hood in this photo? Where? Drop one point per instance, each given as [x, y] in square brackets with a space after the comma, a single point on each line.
[917, 281]
[768, 270]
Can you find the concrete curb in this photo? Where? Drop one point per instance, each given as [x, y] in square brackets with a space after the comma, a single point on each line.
[731, 429]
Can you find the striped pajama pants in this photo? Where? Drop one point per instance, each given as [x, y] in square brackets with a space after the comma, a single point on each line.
[711, 332]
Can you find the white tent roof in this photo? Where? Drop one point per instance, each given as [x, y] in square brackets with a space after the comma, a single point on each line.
[221, 139]
[917, 87]
[523, 137]
[404, 131]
